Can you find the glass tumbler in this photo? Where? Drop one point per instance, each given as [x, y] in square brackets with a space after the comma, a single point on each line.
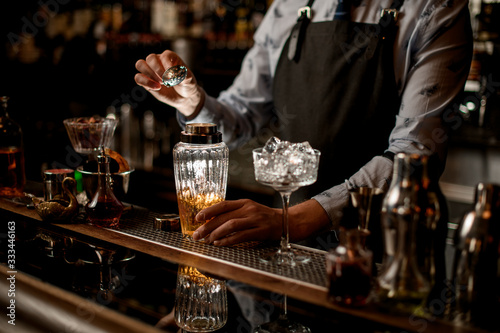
[200, 301]
[200, 167]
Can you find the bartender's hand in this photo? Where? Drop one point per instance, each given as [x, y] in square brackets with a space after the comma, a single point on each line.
[232, 222]
[187, 96]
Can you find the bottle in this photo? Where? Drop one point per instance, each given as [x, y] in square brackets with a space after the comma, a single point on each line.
[12, 172]
[432, 231]
[349, 268]
[476, 265]
[393, 199]
[104, 210]
[402, 288]
[200, 169]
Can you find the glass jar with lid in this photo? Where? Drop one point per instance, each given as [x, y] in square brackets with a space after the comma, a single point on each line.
[201, 161]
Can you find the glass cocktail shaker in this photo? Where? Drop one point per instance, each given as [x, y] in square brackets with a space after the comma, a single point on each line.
[200, 166]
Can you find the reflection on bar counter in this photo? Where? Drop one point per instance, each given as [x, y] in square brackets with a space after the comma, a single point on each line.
[200, 301]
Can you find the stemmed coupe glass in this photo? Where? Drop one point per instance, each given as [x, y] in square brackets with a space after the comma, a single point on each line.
[285, 167]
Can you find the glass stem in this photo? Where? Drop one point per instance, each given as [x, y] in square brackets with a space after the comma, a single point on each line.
[285, 198]
[284, 308]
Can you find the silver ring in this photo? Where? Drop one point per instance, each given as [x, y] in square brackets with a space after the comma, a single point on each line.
[174, 75]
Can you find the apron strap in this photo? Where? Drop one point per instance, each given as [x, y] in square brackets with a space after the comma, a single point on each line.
[387, 25]
[298, 31]
[389, 17]
[387, 22]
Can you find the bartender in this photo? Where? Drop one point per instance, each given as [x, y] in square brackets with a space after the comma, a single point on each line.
[360, 80]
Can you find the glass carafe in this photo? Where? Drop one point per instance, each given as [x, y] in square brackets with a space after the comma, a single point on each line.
[12, 172]
[104, 210]
[349, 268]
[200, 167]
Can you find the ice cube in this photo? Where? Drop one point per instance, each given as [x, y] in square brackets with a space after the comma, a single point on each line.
[271, 145]
[304, 147]
[285, 162]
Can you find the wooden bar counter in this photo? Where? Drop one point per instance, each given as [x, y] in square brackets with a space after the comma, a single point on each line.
[305, 284]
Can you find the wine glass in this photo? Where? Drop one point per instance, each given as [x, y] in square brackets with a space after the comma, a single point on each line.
[286, 167]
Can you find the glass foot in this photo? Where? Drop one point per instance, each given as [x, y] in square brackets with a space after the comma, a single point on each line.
[282, 325]
[288, 257]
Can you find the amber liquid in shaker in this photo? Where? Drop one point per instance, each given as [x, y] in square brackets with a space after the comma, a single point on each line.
[189, 206]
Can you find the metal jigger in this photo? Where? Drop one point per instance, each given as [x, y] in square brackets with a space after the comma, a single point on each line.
[364, 199]
[367, 202]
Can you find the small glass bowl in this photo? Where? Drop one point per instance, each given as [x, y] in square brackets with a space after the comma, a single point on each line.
[89, 133]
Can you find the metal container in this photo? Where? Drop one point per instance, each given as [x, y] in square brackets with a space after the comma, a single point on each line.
[476, 267]
[52, 183]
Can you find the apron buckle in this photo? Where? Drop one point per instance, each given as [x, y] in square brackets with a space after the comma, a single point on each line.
[389, 11]
[304, 10]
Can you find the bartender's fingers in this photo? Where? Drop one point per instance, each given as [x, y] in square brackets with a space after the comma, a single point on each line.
[146, 82]
[152, 68]
[220, 213]
[147, 76]
[242, 230]
[168, 59]
[156, 64]
[238, 220]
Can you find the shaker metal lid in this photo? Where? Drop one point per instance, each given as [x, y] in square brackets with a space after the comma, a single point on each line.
[202, 133]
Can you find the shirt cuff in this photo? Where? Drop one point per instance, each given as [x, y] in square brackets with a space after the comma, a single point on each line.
[204, 116]
[333, 202]
[376, 173]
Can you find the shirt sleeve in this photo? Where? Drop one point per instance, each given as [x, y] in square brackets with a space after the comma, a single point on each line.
[439, 51]
[247, 105]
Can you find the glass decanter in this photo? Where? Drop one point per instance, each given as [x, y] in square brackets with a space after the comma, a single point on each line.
[104, 210]
[348, 268]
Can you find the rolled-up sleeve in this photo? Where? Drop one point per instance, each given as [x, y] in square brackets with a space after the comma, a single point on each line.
[432, 73]
[247, 105]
